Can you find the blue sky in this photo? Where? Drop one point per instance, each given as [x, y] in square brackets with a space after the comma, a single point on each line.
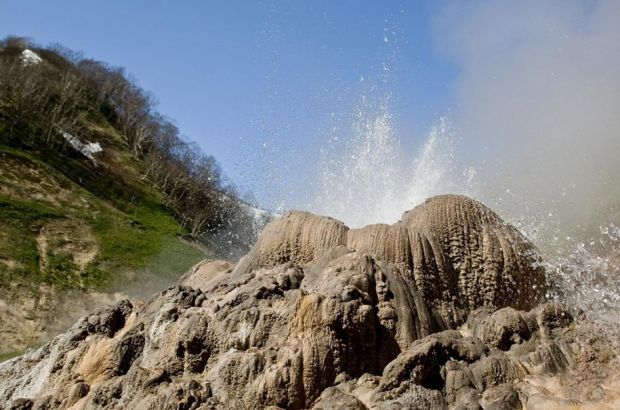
[239, 77]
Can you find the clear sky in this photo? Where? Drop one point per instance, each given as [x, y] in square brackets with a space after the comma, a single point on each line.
[239, 77]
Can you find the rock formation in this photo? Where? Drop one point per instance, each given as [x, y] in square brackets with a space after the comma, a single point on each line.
[465, 256]
[454, 251]
[440, 310]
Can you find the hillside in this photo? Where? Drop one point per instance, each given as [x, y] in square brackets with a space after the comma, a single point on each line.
[83, 214]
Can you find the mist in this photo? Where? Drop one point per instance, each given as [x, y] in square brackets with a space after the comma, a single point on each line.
[537, 104]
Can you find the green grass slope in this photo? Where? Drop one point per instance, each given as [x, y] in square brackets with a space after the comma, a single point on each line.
[68, 222]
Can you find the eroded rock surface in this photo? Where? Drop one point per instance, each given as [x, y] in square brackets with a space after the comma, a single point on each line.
[427, 313]
[465, 257]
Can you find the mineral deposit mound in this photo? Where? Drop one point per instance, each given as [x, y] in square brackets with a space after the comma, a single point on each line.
[444, 309]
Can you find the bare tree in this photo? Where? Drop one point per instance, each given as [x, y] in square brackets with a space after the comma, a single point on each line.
[38, 100]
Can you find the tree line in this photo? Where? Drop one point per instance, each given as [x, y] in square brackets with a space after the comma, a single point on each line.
[65, 91]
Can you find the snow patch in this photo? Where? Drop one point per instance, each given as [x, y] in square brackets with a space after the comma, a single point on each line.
[88, 149]
[29, 57]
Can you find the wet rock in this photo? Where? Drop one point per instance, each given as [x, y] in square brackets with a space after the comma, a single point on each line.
[383, 242]
[502, 328]
[493, 370]
[297, 237]
[21, 404]
[551, 316]
[422, 362]
[462, 249]
[546, 358]
[334, 398]
[128, 350]
[201, 275]
[502, 397]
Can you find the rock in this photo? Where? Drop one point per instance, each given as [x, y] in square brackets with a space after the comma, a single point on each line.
[502, 397]
[425, 313]
[547, 357]
[414, 397]
[460, 389]
[21, 404]
[290, 278]
[455, 252]
[465, 257]
[502, 328]
[78, 391]
[388, 243]
[199, 276]
[423, 361]
[297, 237]
[551, 316]
[493, 370]
[334, 398]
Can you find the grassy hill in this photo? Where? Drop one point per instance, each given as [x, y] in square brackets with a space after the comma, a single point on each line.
[67, 223]
[61, 236]
[78, 226]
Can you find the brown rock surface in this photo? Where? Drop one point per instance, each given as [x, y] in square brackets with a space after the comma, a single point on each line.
[298, 237]
[388, 243]
[320, 316]
[465, 256]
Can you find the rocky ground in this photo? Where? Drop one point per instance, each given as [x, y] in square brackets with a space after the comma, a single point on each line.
[29, 316]
[444, 309]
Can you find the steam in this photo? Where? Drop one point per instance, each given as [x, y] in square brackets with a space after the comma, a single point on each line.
[537, 106]
[537, 109]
